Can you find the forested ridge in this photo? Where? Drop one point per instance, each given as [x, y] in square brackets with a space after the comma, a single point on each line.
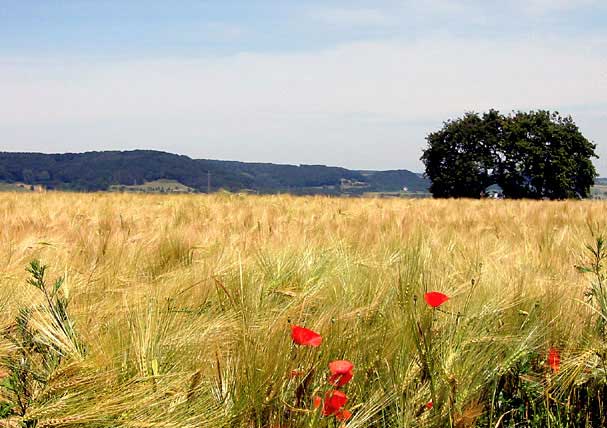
[97, 171]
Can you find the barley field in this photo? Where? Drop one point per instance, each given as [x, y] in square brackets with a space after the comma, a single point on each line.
[177, 311]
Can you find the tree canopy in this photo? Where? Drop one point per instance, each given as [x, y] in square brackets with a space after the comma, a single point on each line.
[535, 154]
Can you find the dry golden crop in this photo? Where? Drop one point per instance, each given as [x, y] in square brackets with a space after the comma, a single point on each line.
[182, 305]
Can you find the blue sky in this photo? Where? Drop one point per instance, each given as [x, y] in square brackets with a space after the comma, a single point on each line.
[356, 84]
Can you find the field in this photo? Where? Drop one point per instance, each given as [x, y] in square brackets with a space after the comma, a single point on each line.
[156, 186]
[14, 187]
[599, 191]
[176, 311]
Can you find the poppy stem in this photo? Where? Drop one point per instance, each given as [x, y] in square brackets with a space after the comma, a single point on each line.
[429, 361]
[459, 315]
[424, 349]
[427, 356]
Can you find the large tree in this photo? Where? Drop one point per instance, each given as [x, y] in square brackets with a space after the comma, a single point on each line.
[530, 155]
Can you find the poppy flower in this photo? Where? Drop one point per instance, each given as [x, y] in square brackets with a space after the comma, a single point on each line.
[316, 401]
[334, 401]
[296, 373]
[554, 359]
[435, 299]
[341, 372]
[343, 415]
[305, 337]
[429, 405]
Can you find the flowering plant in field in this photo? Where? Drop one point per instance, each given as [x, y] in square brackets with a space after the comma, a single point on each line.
[333, 405]
[341, 372]
[305, 337]
[425, 344]
[554, 359]
[435, 299]
[316, 401]
[343, 415]
[334, 401]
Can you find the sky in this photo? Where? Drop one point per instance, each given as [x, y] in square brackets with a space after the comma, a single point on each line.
[351, 83]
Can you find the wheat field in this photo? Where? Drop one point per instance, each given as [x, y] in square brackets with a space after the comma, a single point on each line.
[178, 311]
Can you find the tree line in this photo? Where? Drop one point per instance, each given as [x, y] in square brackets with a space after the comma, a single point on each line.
[97, 171]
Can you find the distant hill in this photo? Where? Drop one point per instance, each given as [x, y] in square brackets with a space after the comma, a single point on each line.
[111, 170]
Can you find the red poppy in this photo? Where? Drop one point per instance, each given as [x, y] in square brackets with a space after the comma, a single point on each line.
[343, 415]
[554, 359]
[296, 373]
[316, 401]
[305, 337]
[435, 299]
[334, 401]
[341, 372]
[429, 404]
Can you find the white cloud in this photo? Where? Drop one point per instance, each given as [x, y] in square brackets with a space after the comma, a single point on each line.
[417, 80]
[364, 105]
